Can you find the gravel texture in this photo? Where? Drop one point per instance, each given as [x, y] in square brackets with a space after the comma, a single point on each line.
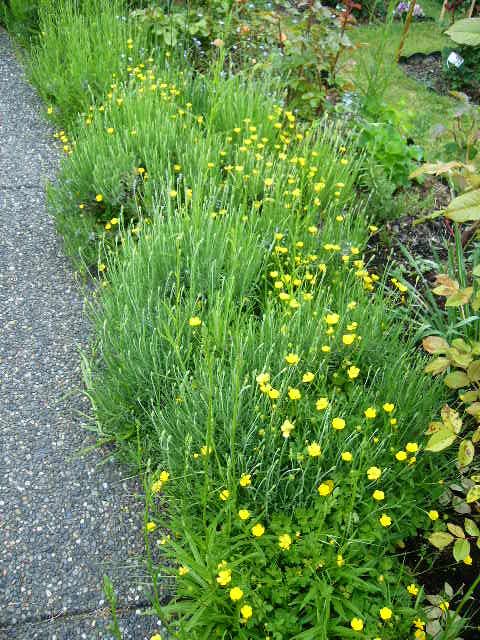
[66, 516]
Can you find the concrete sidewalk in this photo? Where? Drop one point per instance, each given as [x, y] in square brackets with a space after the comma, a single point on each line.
[65, 519]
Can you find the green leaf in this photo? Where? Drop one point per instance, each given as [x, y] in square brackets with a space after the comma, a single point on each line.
[474, 371]
[474, 494]
[456, 380]
[476, 271]
[465, 31]
[441, 539]
[474, 409]
[471, 527]
[466, 451]
[461, 550]
[465, 208]
[441, 440]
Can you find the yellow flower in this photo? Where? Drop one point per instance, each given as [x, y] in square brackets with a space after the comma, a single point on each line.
[412, 589]
[385, 520]
[274, 394]
[388, 407]
[378, 495]
[263, 378]
[332, 318]
[444, 606]
[385, 613]
[164, 476]
[287, 428]
[224, 577]
[268, 182]
[356, 624]
[322, 403]
[292, 358]
[245, 480]
[183, 570]
[433, 515]
[353, 372]
[236, 594]
[314, 450]
[99, 197]
[325, 488]
[370, 413]
[347, 456]
[173, 193]
[340, 560]
[156, 636]
[246, 612]
[294, 394]
[338, 424]
[401, 456]
[151, 526]
[420, 634]
[244, 514]
[348, 338]
[224, 495]
[468, 560]
[411, 447]
[326, 348]
[418, 623]
[284, 541]
[258, 530]
[308, 376]
[157, 486]
[374, 473]
[195, 321]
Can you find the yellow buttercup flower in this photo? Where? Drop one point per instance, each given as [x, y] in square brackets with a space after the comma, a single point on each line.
[244, 514]
[151, 526]
[388, 407]
[246, 612]
[332, 318]
[433, 515]
[224, 495]
[292, 358]
[287, 428]
[195, 321]
[236, 594]
[183, 570]
[314, 450]
[411, 447]
[385, 613]
[245, 480]
[374, 473]
[294, 394]
[401, 456]
[353, 372]
[285, 541]
[356, 624]
[370, 413]
[258, 530]
[325, 488]
[378, 495]
[338, 424]
[308, 376]
[347, 456]
[385, 520]
[412, 589]
[322, 403]
[348, 338]
[224, 577]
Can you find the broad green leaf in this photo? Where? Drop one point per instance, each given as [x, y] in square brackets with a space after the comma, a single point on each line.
[460, 358]
[466, 451]
[474, 371]
[441, 539]
[474, 494]
[441, 440]
[459, 298]
[461, 345]
[461, 550]
[465, 31]
[469, 396]
[456, 380]
[456, 530]
[471, 527]
[435, 344]
[436, 366]
[465, 208]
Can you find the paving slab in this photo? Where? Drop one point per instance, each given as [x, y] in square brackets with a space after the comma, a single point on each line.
[67, 517]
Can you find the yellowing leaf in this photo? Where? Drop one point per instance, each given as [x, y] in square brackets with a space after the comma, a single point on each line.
[456, 380]
[466, 31]
[435, 344]
[451, 419]
[438, 365]
[465, 208]
[441, 539]
[461, 549]
[459, 298]
[455, 529]
[474, 371]
[441, 440]
[445, 286]
[474, 409]
[466, 451]
[474, 494]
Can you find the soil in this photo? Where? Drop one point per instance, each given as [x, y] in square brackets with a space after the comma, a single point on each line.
[427, 69]
[425, 242]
